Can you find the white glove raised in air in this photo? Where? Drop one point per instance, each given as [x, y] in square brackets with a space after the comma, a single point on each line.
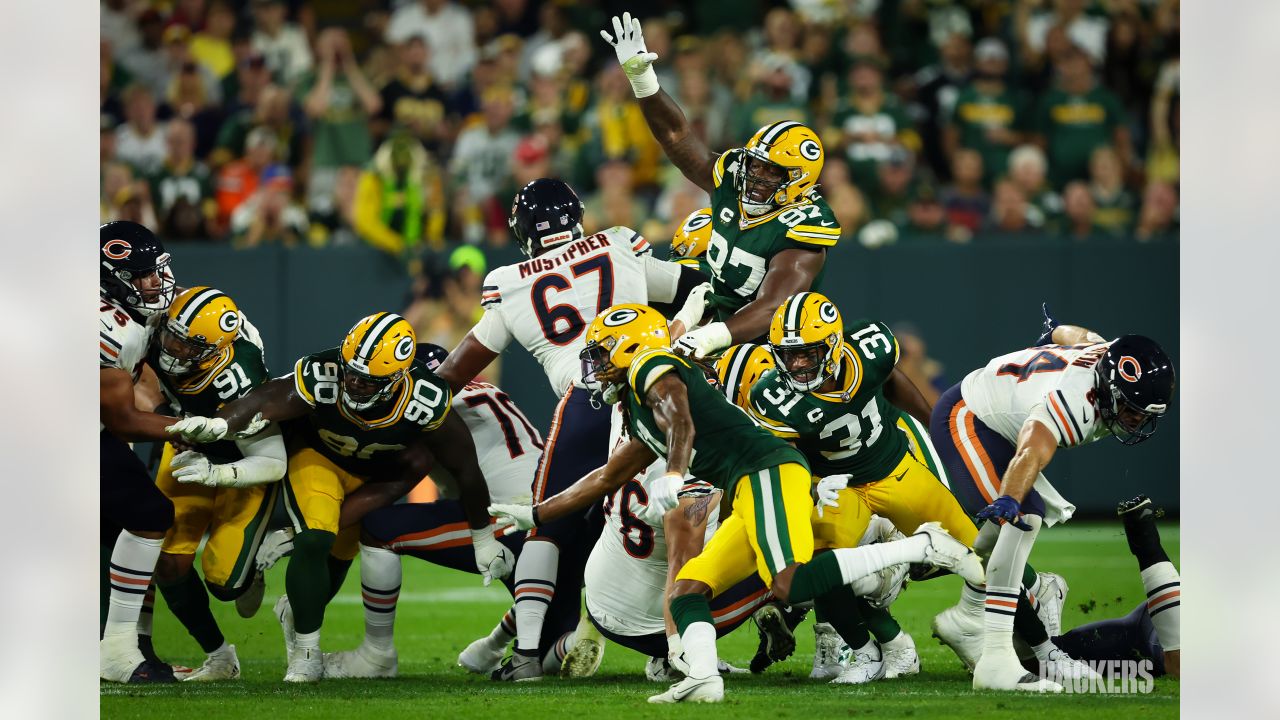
[663, 497]
[707, 340]
[695, 306]
[493, 559]
[199, 430]
[193, 467]
[512, 517]
[828, 491]
[636, 60]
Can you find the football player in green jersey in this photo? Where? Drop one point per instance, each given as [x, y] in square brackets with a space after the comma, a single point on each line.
[673, 412]
[770, 226]
[366, 411]
[205, 354]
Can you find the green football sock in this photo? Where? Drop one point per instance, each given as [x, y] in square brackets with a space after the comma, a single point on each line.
[337, 574]
[1026, 623]
[689, 609]
[881, 624]
[307, 579]
[839, 608]
[189, 602]
[1029, 576]
[815, 578]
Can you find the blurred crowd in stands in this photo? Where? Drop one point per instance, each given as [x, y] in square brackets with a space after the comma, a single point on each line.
[407, 125]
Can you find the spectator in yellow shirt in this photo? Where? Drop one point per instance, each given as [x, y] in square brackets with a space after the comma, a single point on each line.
[399, 202]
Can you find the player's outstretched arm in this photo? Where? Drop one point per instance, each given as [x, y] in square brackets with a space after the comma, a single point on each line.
[666, 121]
[790, 272]
[904, 395]
[275, 400]
[465, 362]
[119, 411]
[1075, 335]
[1036, 446]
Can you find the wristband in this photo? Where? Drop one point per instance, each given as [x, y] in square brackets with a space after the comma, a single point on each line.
[533, 513]
[644, 84]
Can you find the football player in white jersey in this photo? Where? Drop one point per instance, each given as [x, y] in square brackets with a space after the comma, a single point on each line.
[135, 283]
[999, 427]
[507, 448]
[545, 304]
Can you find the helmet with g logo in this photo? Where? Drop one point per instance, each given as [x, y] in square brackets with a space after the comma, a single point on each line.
[807, 338]
[694, 235]
[614, 339]
[780, 165]
[376, 356]
[199, 328]
[740, 367]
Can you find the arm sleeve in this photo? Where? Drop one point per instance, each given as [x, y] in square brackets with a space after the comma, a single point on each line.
[264, 460]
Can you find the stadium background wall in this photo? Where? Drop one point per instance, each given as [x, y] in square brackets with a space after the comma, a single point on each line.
[969, 302]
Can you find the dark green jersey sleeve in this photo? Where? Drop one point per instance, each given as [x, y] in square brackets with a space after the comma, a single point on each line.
[318, 378]
[876, 347]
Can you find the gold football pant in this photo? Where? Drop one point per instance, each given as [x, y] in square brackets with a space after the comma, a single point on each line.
[767, 530]
[313, 493]
[235, 519]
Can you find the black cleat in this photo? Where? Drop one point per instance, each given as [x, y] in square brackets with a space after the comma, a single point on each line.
[1139, 509]
[776, 624]
[148, 650]
[153, 672]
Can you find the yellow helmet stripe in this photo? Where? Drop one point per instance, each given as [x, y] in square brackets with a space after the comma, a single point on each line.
[193, 306]
[375, 334]
[772, 133]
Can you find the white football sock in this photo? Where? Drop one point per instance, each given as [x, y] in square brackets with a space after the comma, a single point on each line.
[309, 640]
[535, 586]
[859, 562]
[1004, 582]
[503, 632]
[380, 587]
[133, 560]
[973, 598]
[986, 540]
[1044, 650]
[1164, 597]
[699, 642]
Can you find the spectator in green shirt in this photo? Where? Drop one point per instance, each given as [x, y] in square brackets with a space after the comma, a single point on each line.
[1158, 219]
[988, 116]
[182, 183]
[1077, 221]
[1114, 205]
[1027, 170]
[771, 101]
[871, 121]
[1077, 116]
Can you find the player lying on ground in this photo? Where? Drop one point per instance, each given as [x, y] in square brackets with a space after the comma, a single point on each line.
[205, 354]
[770, 225]
[1151, 631]
[543, 304]
[507, 448]
[364, 411]
[768, 531]
[999, 428]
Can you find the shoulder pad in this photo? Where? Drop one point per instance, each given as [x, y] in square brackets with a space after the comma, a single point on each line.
[650, 365]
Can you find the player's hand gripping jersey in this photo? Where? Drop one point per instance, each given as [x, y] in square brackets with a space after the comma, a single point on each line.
[361, 445]
[546, 303]
[1051, 383]
[727, 445]
[742, 246]
[852, 430]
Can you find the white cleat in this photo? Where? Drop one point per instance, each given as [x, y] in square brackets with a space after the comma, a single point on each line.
[892, 581]
[1052, 596]
[306, 665]
[584, 658]
[1061, 667]
[900, 657]
[659, 669]
[725, 668]
[284, 613]
[700, 690]
[250, 601]
[1002, 671]
[962, 632]
[219, 665]
[365, 661]
[947, 552]
[479, 658]
[865, 665]
[118, 657]
[829, 653]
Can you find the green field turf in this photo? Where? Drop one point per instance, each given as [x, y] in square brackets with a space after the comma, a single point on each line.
[442, 610]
